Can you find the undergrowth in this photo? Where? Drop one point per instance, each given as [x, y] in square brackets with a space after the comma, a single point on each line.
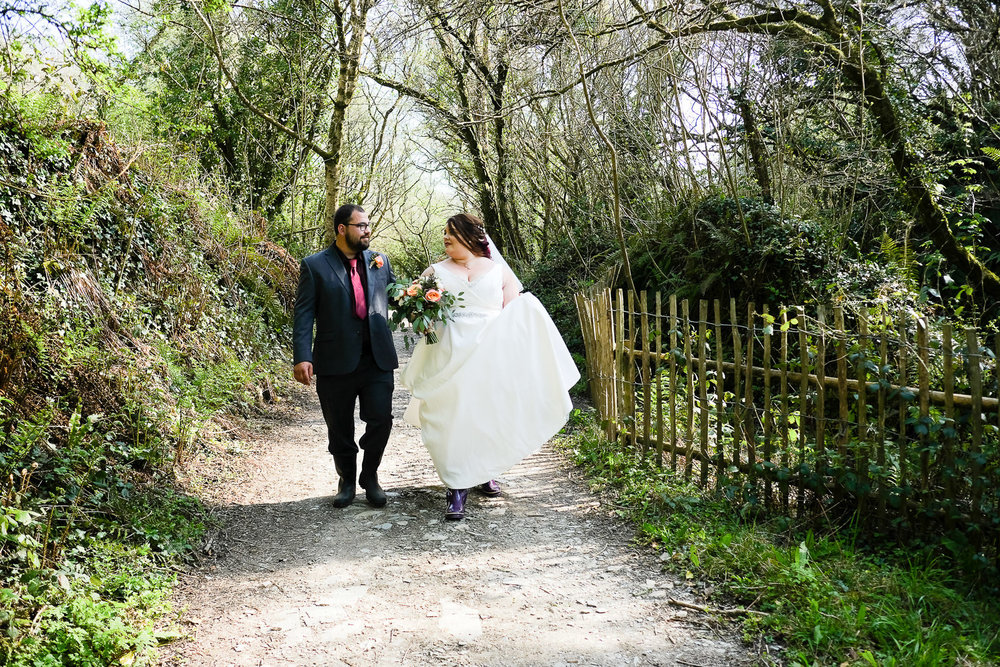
[139, 315]
[821, 595]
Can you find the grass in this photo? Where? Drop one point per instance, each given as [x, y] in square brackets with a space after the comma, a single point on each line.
[830, 598]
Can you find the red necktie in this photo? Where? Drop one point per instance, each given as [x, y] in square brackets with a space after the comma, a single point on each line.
[360, 309]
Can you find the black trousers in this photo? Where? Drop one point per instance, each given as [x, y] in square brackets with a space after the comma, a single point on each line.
[338, 394]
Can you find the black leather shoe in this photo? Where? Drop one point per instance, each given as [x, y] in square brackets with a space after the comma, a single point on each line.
[373, 492]
[490, 489]
[456, 504]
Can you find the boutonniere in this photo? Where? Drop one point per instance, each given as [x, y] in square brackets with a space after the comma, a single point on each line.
[377, 262]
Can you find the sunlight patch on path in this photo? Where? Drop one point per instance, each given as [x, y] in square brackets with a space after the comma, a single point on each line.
[460, 621]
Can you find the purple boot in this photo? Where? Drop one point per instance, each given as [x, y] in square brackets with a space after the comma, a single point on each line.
[456, 504]
[490, 489]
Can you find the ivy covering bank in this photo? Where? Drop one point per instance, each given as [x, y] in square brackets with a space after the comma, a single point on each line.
[137, 309]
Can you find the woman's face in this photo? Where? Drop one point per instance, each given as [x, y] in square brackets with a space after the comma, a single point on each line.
[453, 246]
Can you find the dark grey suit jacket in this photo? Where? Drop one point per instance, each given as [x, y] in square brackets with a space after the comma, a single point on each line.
[324, 299]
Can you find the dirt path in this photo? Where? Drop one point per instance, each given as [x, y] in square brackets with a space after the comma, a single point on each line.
[540, 576]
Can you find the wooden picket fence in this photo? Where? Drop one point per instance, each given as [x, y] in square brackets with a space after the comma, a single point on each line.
[807, 412]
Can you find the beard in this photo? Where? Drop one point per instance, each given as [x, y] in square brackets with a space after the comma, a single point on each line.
[357, 245]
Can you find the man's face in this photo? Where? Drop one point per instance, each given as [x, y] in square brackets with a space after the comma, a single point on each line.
[357, 234]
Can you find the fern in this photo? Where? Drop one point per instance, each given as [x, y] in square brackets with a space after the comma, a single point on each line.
[899, 257]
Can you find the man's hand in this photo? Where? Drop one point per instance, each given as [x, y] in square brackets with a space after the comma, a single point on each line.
[304, 372]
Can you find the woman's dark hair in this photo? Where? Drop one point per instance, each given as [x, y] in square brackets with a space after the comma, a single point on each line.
[343, 215]
[470, 232]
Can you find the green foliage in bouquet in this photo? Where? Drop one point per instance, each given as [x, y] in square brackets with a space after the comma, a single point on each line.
[421, 304]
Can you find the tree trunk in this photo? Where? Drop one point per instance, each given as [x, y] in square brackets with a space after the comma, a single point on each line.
[930, 220]
[350, 60]
[758, 154]
[488, 204]
[513, 242]
[349, 56]
[841, 51]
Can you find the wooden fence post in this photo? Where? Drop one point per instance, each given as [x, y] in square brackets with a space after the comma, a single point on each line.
[720, 399]
[923, 373]
[585, 314]
[996, 475]
[803, 404]
[903, 364]
[883, 368]
[703, 410]
[659, 382]
[611, 381]
[976, 389]
[633, 426]
[844, 427]
[647, 396]
[737, 414]
[622, 386]
[861, 372]
[820, 409]
[785, 460]
[947, 449]
[673, 382]
[749, 413]
[768, 416]
[689, 372]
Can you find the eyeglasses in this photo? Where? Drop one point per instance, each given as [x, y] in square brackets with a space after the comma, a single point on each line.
[363, 227]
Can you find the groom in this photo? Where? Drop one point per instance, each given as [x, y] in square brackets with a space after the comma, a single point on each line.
[342, 290]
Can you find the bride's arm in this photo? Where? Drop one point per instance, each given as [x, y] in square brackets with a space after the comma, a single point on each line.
[510, 286]
[429, 271]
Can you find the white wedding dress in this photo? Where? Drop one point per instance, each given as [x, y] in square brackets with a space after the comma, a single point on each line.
[494, 388]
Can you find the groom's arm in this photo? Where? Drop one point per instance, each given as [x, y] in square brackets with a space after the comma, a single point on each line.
[302, 324]
[392, 275]
[390, 279]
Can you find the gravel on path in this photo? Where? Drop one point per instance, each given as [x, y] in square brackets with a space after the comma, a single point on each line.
[543, 575]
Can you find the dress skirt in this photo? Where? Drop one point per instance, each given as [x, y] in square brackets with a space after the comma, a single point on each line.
[493, 390]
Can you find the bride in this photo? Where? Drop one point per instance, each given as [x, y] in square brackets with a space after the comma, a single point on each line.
[494, 388]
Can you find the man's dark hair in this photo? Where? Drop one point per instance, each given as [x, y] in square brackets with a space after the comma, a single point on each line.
[344, 214]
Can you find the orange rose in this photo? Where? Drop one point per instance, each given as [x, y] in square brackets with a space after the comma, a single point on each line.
[413, 290]
[377, 262]
[433, 295]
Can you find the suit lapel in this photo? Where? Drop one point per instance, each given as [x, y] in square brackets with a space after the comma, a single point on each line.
[366, 257]
[337, 266]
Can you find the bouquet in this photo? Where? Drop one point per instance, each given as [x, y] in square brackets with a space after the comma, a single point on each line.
[422, 303]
